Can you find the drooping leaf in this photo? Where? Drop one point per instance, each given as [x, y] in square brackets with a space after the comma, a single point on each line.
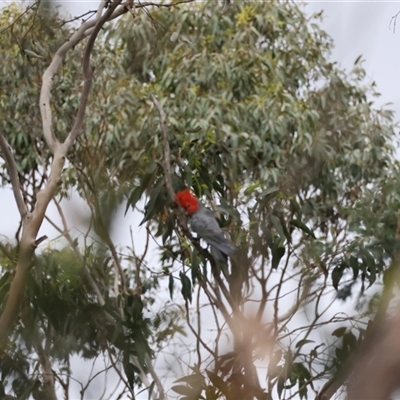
[171, 285]
[186, 287]
[302, 226]
[339, 332]
[218, 382]
[278, 251]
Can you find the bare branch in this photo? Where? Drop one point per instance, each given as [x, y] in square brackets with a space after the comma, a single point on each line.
[91, 12]
[331, 387]
[34, 221]
[158, 5]
[130, 5]
[88, 74]
[48, 375]
[198, 334]
[100, 8]
[394, 20]
[32, 224]
[47, 81]
[12, 168]
[118, 371]
[167, 167]
[40, 240]
[161, 391]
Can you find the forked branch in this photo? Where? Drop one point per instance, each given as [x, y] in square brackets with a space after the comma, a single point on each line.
[33, 221]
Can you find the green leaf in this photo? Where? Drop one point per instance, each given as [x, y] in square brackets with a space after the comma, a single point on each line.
[303, 227]
[276, 358]
[337, 274]
[138, 191]
[302, 342]
[339, 332]
[195, 263]
[278, 226]
[168, 228]
[129, 369]
[350, 340]
[225, 207]
[323, 268]
[194, 380]
[218, 382]
[171, 285]
[134, 197]
[186, 287]
[280, 385]
[278, 251]
[154, 204]
[184, 390]
[142, 348]
[267, 195]
[358, 59]
[302, 372]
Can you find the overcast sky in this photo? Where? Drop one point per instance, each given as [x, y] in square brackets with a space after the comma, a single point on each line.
[365, 28]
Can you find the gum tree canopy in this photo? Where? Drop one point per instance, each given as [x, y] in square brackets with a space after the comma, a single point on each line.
[240, 103]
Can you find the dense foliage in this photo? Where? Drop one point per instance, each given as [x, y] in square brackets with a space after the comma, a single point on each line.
[285, 146]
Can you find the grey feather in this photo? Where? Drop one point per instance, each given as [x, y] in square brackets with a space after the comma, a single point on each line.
[206, 226]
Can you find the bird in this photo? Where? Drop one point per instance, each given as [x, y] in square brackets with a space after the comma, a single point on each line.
[203, 222]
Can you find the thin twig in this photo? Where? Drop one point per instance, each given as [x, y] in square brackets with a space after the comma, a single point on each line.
[394, 19]
[118, 371]
[12, 168]
[158, 5]
[130, 5]
[64, 22]
[197, 335]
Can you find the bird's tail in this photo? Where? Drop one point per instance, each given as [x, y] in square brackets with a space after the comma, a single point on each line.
[221, 251]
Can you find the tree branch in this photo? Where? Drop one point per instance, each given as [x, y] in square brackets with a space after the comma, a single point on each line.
[88, 73]
[181, 217]
[12, 169]
[331, 387]
[47, 374]
[34, 221]
[158, 5]
[161, 392]
[47, 80]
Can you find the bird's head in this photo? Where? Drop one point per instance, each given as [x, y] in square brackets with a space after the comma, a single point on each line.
[187, 200]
